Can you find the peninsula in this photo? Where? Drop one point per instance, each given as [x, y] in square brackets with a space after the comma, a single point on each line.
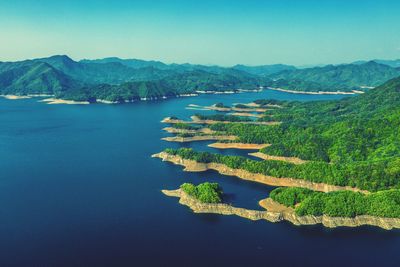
[333, 163]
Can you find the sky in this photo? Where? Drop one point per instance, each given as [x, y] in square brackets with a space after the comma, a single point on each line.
[220, 32]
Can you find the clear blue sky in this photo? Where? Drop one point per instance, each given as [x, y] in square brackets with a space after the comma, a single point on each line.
[204, 31]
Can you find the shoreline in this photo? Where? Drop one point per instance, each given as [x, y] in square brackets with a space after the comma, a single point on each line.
[17, 97]
[245, 114]
[263, 156]
[194, 166]
[199, 138]
[352, 92]
[195, 120]
[276, 212]
[173, 130]
[56, 101]
[237, 145]
[228, 109]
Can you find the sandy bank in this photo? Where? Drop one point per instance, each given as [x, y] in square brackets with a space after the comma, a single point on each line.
[227, 109]
[177, 130]
[353, 92]
[199, 138]
[276, 213]
[245, 114]
[193, 166]
[62, 101]
[15, 97]
[238, 145]
[195, 119]
[255, 105]
[263, 156]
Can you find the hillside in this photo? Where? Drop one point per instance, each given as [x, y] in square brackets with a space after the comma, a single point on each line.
[115, 79]
[131, 63]
[331, 78]
[33, 78]
[391, 63]
[108, 72]
[171, 86]
[265, 69]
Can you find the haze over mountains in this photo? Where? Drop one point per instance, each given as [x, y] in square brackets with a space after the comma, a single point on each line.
[121, 80]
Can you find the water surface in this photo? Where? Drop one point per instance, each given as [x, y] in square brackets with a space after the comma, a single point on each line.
[78, 187]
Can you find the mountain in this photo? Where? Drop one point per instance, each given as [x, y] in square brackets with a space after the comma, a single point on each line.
[331, 78]
[391, 63]
[33, 78]
[264, 69]
[131, 63]
[173, 85]
[108, 72]
[117, 79]
[138, 64]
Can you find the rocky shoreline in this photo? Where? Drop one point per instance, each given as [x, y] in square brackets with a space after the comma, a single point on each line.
[353, 92]
[263, 156]
[276, 213]
[193, 166]
[199, 138]
[238, 146]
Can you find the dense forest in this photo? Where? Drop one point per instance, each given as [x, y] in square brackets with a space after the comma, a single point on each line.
[205, 192]
[368, 176]
[222, 117]
[343, 77]
[354, 141]
[339, 204]
[355, 129]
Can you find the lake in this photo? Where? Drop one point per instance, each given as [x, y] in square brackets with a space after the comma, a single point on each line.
[78, 187]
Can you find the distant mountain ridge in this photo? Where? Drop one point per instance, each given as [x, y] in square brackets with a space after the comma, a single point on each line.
[391, 63]
[343, 77]
[120, 80]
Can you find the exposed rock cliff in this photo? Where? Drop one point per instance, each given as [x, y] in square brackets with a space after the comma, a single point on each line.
[276, 213]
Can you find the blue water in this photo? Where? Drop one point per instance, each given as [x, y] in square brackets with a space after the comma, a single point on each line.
[78, 188]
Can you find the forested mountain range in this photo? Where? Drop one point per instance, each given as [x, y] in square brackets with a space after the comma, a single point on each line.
[117, 79]
[391, 63]
[341, 77]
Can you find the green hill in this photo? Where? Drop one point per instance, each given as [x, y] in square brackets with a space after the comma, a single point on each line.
[108, 72]
[332, 78]
[264, 70]
[174, 85]
[33, 78]
[114, 78]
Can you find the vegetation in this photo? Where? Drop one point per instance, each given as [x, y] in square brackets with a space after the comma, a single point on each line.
[265, 69]
[186, 126]
[205, 192]
[220, 105]
[344, 77]
[117, 80]
[339, 204]
[368, 176]
[351, 142]
[356, 130]
[222, 117]
[241, 106]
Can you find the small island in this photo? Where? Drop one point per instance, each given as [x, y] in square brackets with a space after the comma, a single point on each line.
[205, 192]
